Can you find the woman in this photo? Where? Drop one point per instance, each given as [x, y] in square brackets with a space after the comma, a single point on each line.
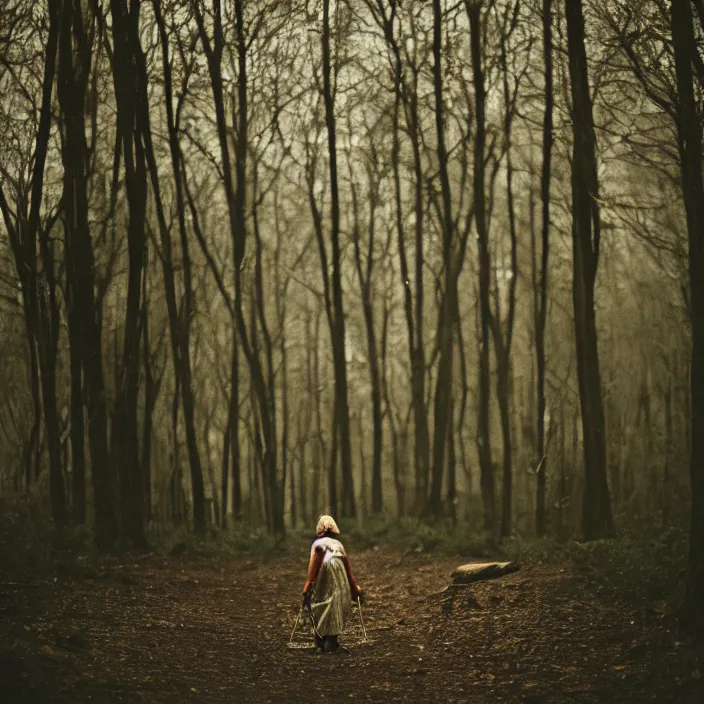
[330, 586]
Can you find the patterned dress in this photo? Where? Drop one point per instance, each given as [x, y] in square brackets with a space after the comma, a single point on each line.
[331, 602]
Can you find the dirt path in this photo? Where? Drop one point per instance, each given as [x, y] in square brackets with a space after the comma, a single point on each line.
[163, 631]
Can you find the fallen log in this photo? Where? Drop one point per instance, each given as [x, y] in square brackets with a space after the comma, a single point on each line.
[478, 571]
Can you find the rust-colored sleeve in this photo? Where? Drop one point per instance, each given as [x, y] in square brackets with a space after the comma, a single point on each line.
[316, 559]
[350, 577]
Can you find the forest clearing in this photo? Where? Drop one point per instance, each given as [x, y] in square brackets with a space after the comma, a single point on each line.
[165, 630]
[433, 269]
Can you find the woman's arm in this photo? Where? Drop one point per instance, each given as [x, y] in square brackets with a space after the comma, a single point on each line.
[316, 559]
[355, 589]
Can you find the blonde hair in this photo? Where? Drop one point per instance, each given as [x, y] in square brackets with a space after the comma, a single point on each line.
[325, 524]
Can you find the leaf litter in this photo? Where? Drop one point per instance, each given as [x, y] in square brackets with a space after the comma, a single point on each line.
[159, 630]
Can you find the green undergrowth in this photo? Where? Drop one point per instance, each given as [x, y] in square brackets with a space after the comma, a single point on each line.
[649, 567]
[30, 548]
[641, 563]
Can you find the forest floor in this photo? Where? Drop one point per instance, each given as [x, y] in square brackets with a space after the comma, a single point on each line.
[171, 630]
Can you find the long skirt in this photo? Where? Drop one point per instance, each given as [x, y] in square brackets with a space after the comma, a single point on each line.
[331, 603]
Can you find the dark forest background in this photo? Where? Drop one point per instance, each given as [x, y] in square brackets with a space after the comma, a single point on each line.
[429, 263]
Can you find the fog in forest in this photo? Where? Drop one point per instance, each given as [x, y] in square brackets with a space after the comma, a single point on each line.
[433, 268]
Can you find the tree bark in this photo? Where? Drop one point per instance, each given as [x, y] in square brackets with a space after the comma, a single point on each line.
[22, 234]
[486, 468]
[597, 520]
[540, 290]
[364, 274]
[503, 332]
[74, 70]
[78, 454]
[180, 322]
[235, 431]
[443, 386]
[689, 132]
[406, 94]
[337, 331]
[128, 92]
[236, 196]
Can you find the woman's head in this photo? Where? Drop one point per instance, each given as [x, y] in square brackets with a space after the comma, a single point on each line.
[326, 524]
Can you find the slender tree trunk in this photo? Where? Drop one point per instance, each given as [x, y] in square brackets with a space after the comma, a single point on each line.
[267, 390]
[302, 472]
[451, 466]
[23, 239]
[48, 343]
[364, 274]
[337, 331]
[285, 422]
[540, 290]
[406, 93]
[180, 322]
[669, 451]
[78, 454]
[48, 347]
[33, 445]
[74, 70]
[225, 470]
[151, 392]
[503, 338]
[443, 388]
[314, 388]
[210, 469]
[235, 431]
[486, 467]
[597, 520]
[333, 500]
[128, 91]
[236, 190]
[415, 334]
[396, 458]
[507, 473]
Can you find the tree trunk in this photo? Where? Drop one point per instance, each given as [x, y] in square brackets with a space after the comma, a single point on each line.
[48, 338]
[337, 330]
[486, 467]
[540, 290]
[320, 449]
[443, 388]
[180, 322]
[669, 451]
[364, 274]
[151, 391]
[332, 470]
[689, 130]
[80, 270]
[22, 233]
[503, 338]
[503, 393]
[225, 469]
[597, 520]
[48, 331]
[125, 444]
[236, 196]
[266, 390]
[235, 431]
[406, 92]
[285, 421]
[78, 454]
[210, 469]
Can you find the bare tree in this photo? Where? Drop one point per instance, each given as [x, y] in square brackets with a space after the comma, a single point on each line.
[540, 280]
[689, 132]
[475, 13]
[597, 520]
